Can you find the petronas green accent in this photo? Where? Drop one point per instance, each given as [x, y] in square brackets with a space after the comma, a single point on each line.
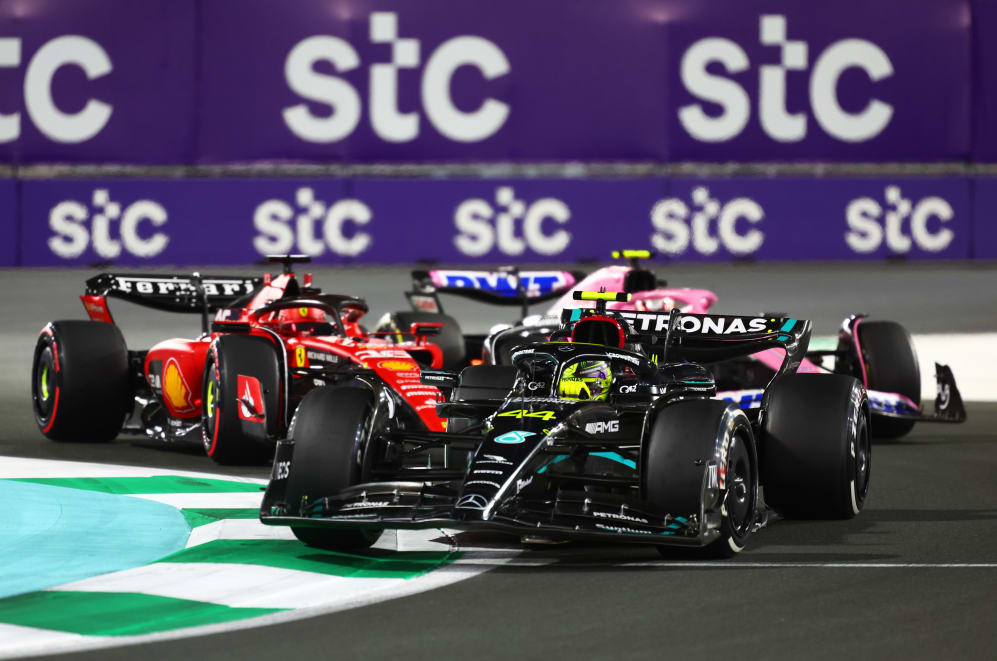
[205, 515]
[115, 613]
[292, 554]
[155, 484]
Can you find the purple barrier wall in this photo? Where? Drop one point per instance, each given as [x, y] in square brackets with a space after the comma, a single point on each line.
[8, 222]
[984, 244]
[220, 81]
[632, 80]
[984, 57]
[860, 80]
[97, 81]
[231, 221]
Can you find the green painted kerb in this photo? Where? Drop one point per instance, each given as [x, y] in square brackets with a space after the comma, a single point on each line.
[115, 613]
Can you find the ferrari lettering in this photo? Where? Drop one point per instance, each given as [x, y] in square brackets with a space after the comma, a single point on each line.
[313, 227]
[107, 227]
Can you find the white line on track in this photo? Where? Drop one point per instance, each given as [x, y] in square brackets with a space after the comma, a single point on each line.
[813, 565]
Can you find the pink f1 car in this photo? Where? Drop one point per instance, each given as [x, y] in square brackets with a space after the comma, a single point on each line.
[879, 353]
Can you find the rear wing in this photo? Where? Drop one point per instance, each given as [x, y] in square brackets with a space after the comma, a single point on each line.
[706, 338]
[174, 293]
[499, 287]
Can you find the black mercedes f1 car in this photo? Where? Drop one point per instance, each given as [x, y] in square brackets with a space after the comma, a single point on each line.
[602, 432]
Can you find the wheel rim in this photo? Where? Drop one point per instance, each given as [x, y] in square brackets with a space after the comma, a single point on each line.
[740, 498]
[211, 410]
[44, 384]
[863, 466]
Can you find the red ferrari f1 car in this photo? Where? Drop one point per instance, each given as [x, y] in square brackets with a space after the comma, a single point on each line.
[233, 388]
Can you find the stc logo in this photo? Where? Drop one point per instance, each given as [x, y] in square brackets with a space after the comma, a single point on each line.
[777, 121]
[482, 226]
[389, 122]
[677, 226]
[866, 234]
[71, 236]
[315, 226]
[44, 65]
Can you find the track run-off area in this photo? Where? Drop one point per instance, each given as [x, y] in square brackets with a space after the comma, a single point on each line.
[111, 546]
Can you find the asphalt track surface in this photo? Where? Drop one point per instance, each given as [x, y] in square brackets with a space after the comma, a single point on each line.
[905, 587]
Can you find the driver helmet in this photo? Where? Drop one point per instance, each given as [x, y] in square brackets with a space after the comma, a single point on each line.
[292, 319]
[586, 380]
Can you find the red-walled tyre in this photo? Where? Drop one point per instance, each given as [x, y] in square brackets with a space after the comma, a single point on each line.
[224, 438]
[80, 385]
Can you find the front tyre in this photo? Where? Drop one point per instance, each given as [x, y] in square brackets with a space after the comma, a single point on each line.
[816, 457]
[81, 388]
[891, 366]
[330, 433]
[687, 440]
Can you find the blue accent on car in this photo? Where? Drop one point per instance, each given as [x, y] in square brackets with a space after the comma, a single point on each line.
[786, 327]
[576, 314]
[617, 457]
[612, 456]
[514, 437]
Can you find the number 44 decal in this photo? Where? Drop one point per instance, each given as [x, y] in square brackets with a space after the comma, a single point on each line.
[523, 413]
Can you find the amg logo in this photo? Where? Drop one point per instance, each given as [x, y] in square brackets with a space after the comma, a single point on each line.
[603, 427]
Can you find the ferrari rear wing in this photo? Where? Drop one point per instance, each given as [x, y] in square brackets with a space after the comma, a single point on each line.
[173, 293]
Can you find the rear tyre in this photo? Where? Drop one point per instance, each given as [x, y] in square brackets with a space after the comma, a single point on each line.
[330, 432]
[891, 366]
[81, 389]
[232, 356]
[450, 340]
[816, 457]
[686, 438]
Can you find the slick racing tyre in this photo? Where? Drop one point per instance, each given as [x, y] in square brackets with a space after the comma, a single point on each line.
[816, 457]
[685, 440]
[222, 433]
[330, 432]
[891, 366]
[81, 388]
[450, 340]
